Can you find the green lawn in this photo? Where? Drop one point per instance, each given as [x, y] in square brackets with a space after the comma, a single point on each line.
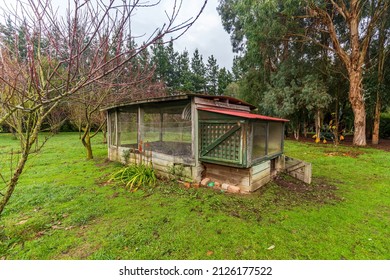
[63, 208]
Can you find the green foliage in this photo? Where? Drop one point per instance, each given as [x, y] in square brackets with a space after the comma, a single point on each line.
[179, 72]
[212, 70]
[385, 125]
[135, 176]
[198, 72]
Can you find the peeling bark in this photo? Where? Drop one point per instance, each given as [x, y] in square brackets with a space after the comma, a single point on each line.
[358, 108]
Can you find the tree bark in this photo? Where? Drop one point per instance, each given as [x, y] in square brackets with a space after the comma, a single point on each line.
[381, 63]
[86, 140]
[355, 71]
[377, 117]
[358, 107]
[14, 180]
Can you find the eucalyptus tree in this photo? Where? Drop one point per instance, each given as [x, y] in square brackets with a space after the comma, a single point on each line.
[266, 30]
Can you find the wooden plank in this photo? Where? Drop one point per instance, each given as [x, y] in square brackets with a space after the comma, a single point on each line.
[194, 131]
[299, 169]
[232, 171]
[202, 103]
[258, 184]
[260, 167]
[228, 174]
[229, 180]
[260, 175]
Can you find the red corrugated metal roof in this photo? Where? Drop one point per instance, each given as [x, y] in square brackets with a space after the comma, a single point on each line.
[242, 114]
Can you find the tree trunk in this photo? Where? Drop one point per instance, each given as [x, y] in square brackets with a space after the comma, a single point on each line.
[381, 63]
[29, 141]
[104, 135]
[336, 121]
[297, 131]
[15, 178]
[358, 107]
[377, 117]
[318, 123]
[86, 140]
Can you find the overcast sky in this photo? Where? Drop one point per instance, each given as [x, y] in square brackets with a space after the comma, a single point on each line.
[207, 34]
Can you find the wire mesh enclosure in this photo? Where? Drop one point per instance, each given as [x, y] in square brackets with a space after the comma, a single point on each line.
[127, 127]
[167, 130]
[198, 135]
[238, 141]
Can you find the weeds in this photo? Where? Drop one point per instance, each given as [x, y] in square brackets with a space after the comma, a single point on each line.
[135, 176]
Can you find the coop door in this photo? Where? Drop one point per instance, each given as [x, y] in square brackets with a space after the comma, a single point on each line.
[222, 142]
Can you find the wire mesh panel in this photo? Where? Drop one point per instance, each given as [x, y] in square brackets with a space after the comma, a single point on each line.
[127, 131]
[259, 148]
[221, 141]
[167, 129]
[275, 138]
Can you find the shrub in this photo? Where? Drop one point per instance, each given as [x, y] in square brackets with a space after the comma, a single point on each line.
[135, 176]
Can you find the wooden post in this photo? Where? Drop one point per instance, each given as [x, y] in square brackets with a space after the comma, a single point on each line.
[116, 129]
[140, 127]
[161, 126]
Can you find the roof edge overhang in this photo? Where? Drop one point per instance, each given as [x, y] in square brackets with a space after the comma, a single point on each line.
[176, 97]
[242, 114]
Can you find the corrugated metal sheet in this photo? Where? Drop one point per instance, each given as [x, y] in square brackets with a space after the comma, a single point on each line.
[242, 114]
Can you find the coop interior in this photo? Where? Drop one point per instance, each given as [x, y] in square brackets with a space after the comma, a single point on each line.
[159, 128]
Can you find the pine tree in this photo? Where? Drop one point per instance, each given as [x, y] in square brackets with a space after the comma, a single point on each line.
[184, 72]
[212, 75]
[224, 79]
[198, 72]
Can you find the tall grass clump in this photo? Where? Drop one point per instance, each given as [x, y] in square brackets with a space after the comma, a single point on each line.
[135, 176]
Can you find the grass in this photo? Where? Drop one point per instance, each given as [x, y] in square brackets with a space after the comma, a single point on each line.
[64, 208]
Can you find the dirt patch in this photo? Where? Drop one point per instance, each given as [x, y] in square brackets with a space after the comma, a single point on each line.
[103, 163]
[352, 154]
[319, 193]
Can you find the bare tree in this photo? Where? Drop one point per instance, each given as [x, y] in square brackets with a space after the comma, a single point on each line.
[44, 60]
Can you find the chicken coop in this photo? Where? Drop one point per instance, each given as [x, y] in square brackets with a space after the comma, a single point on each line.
[195, 136]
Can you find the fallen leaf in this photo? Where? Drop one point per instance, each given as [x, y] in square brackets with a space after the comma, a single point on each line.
[39, 234]
[271, 247]
[22, 222]
[56, 227]
[209, 253]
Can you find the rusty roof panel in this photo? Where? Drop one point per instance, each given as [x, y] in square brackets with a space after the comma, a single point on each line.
[242, 114]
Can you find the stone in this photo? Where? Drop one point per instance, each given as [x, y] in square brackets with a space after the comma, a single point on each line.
[205, 181]
[225, 186]
[233, 189]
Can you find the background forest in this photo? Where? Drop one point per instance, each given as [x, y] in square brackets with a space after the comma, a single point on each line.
[294, 60]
